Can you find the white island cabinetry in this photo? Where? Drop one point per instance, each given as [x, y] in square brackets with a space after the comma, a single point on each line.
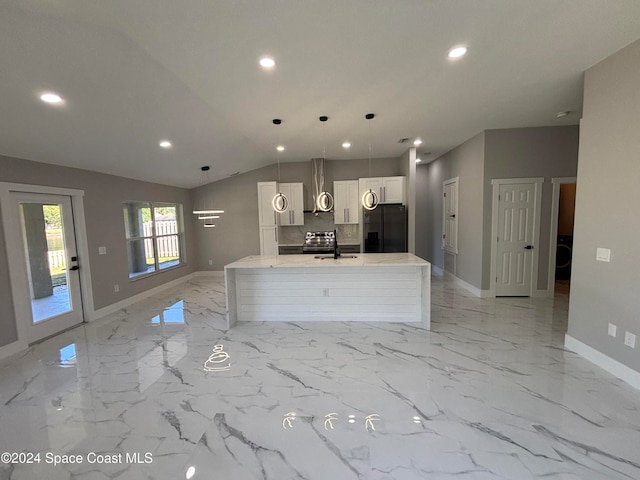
[374, 287]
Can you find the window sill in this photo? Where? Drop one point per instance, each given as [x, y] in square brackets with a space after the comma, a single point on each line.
[142, 276]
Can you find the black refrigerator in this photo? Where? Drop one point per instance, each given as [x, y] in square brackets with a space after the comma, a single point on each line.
[385, 229]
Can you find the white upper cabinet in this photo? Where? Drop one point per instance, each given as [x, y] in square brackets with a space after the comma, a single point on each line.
[267, 217]
[346, 202]
[388, 189]
[295, 194]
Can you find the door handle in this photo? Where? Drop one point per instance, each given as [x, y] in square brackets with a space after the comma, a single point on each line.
[529, 247]
[384, 190]
[75, 267]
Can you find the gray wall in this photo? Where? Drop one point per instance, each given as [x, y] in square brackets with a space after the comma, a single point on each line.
[467, 162]
[527, 152]
[606, 204]
[103, 199]
[236, 234]
[423, 222]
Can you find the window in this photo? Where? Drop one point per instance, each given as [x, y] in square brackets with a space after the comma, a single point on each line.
[155, 236]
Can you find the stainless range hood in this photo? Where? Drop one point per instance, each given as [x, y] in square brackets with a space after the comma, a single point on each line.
[322, 199]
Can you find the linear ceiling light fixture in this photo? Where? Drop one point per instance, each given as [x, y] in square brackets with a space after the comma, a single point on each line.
[280, 202]
[206, 214]
[369, 198]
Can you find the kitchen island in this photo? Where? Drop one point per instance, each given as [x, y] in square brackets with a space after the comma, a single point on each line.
[367, 287]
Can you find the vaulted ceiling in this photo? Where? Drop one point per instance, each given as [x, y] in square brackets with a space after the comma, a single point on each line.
[133, 73]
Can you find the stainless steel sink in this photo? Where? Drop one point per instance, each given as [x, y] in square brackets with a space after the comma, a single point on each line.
[330, 257]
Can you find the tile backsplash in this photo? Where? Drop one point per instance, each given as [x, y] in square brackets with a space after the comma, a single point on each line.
[294, 235]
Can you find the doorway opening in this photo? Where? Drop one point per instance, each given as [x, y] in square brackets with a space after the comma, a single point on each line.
[48, 261]
[561, 241]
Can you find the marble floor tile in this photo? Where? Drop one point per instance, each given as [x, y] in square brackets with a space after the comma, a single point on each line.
[161, 390]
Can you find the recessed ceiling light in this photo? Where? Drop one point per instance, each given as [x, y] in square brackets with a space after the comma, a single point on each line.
[417, 141]
[346, 145]
[562, 114]
[280, 148]
[165, 144]
[267, 62]
[457, 52]
[51, 97]
[418, 160]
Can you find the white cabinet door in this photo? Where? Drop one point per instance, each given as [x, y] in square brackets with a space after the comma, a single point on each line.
[295, 213]
[268, 240]
[267, 216]
[346, 208]
[393, 190]
[374, 184]
[388, 189]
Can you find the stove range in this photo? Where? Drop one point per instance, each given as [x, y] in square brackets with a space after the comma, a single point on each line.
[319, 242]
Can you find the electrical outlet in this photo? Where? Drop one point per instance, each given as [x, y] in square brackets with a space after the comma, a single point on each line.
[210, 262]
[603, 254]
[102, 250]
[629, 339]
[116, 288]
[613, 330]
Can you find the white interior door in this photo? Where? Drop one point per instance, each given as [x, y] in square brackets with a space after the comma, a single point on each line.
[48, 293]
[514, 254]
[450, 215]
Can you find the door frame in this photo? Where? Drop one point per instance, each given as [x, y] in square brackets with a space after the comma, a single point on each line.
[553, 235]
[537, 210]
[21, 300]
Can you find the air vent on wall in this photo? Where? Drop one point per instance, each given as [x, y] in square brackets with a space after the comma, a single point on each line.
[404, 140]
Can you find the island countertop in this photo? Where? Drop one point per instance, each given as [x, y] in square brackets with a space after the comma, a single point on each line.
[347, 260]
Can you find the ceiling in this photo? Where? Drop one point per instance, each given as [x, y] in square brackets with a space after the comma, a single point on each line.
[133, 73]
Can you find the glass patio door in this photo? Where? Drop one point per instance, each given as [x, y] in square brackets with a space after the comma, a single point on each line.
[51, 264]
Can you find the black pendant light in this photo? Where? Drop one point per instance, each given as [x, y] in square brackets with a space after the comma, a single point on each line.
[369, 198]
[280, 202]
[324, 202]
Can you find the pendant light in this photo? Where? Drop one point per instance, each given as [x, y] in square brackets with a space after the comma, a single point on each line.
[280, 202]
[207, 215]
[324, 202]
[369, 198]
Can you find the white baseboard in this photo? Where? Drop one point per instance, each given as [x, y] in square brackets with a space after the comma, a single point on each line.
[114, 307]
[12, 348]
[437, 270]
[209, 273]
[467, 286]
[603, 361]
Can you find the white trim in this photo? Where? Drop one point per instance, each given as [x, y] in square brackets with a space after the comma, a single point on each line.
[614, 367]
[553, 231]
[467, 286]
[114, 307]
[82, 249]
[496, 183]
[209, 273]
[12, 348]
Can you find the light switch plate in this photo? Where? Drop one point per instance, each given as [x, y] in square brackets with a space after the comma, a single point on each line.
[629, 339]
[603, 254]
[102, 250]
[613, 330]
